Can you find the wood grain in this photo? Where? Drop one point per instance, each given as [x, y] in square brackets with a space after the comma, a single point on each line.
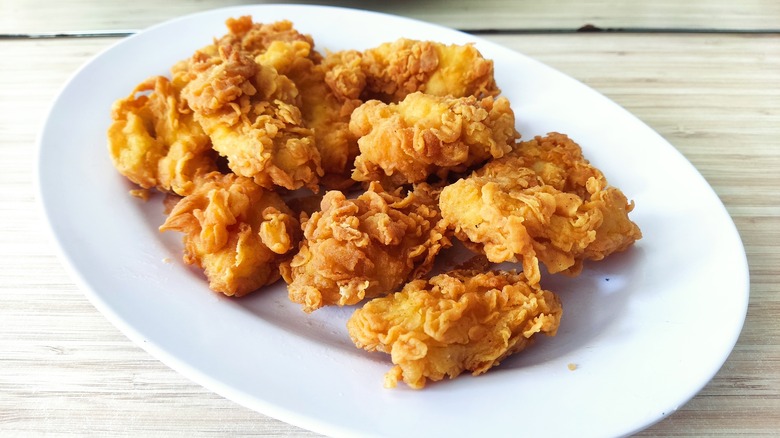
[79, 16]
[64, 370]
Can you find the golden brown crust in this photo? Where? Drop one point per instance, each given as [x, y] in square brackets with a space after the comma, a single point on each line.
[397, 69]
[255, 37]
[542, 202]
[236, 231]
[154, 140]
[426, 135]
[344, 74]
[323, 110]
[251, 113]
[364, 247]
[454, 322]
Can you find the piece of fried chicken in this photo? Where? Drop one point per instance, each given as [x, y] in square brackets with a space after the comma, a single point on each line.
[426, 135]
[396, 69]
[361, 248]
[251, 114]
[455, 322]
[344, 74]
[247, 37]
[256, 38]
[155, 142]
[236, 231]
[323, 110]
[541, 202]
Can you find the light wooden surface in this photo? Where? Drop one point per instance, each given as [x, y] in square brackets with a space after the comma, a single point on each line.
[77, 16]
[64, 369]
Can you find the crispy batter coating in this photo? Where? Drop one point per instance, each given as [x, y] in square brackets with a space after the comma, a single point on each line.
[364, 247]
[323, 110]
[250, 112]
[245, 36]
[426, 135]
[396, 69]
[458, 321]
[154, 141]
[236, 231]
[256, 38]
[542, 202]
[344, 74]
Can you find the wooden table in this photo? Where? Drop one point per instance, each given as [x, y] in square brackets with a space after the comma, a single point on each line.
[705, 74]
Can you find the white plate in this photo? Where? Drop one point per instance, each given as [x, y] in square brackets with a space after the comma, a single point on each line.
[647, 328]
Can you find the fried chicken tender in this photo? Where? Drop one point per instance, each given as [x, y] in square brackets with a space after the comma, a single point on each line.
[396, 69]
[542, 202]
[256, 38]
[344, 74]
[247, 37]
[426, 135]
[252, 116]
[154, 140]
[324, 111]
[236, 231]
[361, 248]
[457, 321]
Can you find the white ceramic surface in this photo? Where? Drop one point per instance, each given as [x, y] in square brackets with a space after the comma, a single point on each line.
[647, 328]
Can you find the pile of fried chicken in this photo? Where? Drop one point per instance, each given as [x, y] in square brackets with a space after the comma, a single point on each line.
[347, 173]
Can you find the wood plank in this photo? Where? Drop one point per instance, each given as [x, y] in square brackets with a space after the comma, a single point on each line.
[77, 16]
[65, 369]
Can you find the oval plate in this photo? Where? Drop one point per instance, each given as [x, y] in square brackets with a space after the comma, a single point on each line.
[647, 328]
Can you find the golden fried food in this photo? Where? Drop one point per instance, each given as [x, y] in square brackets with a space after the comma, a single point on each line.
[541, 202]
[307, 114]
[364, 247]
[236, 231]
[258, 113]
[245, 36]
[256, 38]
[154, 141]
[324, 111]
[397, 69]
[250, 112]
[344, 74]
[426, 135]
[455, 322]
